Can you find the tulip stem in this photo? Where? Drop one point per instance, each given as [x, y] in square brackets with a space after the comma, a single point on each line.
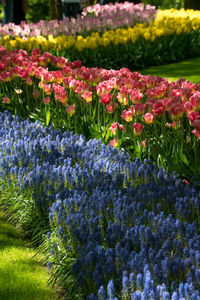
[195, 154]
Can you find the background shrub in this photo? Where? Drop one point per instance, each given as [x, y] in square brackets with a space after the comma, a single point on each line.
[39, 10]
[164, 4]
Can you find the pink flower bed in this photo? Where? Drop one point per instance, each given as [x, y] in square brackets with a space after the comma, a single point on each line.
[140, 97]
[144, 113]
[94, 18]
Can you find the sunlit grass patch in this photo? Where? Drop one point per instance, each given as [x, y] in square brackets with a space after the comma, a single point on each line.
[22, 275]
[188, 69]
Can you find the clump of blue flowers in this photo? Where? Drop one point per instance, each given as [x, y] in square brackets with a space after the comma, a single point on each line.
[132, 229]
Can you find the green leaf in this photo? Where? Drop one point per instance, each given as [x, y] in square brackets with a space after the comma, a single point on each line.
[48, 115]
[183, 157]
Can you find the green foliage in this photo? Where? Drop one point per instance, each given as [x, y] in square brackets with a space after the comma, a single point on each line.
[1, 13]
[165, 4]
[61, 264]
[192, 4]
[141, 54]
[23, 211]
[39, 10]
[24, 214]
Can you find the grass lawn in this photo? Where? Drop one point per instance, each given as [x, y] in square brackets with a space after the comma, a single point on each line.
[21, 275]
[188, 69]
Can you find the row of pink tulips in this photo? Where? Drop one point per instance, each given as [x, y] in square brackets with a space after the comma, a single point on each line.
[144, 113]
[94, 18]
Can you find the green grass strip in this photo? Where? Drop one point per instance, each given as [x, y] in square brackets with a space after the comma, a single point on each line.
[188, 69]
[22, 275]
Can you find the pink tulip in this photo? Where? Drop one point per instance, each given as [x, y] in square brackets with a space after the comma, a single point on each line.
[158, 109]
[87, 96]
[139, 108]
[188, 107]
[176, 112]
[143, 143]
[135, 95]
[71, 109]
[113, 128]
[148, 118]
[105, 99]
[47, 88]
[195, 100]
[197, 133]
[174, 125]
[6, 100]
[113, 143]
[127, 115]
[194, 115]
[109, 109]
[137, 129]
[46, 100]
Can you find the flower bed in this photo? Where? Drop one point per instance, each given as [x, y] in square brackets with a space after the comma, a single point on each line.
[94, 18]
[114, 221]
[173, 36]
[146, 115]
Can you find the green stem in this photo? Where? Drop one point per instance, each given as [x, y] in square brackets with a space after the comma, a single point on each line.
[98, 115]
[195, 155]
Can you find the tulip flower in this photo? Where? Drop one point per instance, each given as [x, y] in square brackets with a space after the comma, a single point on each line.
[113, 143]
[105, 99]
[127, 115]
[71, 109]
[188, 107]
[186, 93]
[122, 98]
[160, 91]
[197, 133]
[29, 81]
[113, 128]
[135, 95]
[47, 88]
[194, 115]
[196, 124]
[18, 91]
[137, 129]
[195, 100]
[138, 109]
[87, 96]
[143, 143]
[148, 118]
[176, 112]
[185, 181]
[166, 102]
[109, 109]
[46, 100]
[158, 109]
[6, 100]
[175, 124]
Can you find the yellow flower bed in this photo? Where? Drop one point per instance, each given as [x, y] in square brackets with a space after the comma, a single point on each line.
[167, 22]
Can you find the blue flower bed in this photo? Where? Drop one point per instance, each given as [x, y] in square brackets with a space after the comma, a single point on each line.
[133, 231]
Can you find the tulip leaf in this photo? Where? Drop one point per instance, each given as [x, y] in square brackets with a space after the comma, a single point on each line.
[48, 115]
[183, 157]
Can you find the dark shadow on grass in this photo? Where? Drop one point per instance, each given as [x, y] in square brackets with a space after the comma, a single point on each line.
[9, 236]
[9, 242]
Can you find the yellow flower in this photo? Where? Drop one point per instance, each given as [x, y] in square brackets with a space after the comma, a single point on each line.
[166, 22]
[18, 91]
[105, 42]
